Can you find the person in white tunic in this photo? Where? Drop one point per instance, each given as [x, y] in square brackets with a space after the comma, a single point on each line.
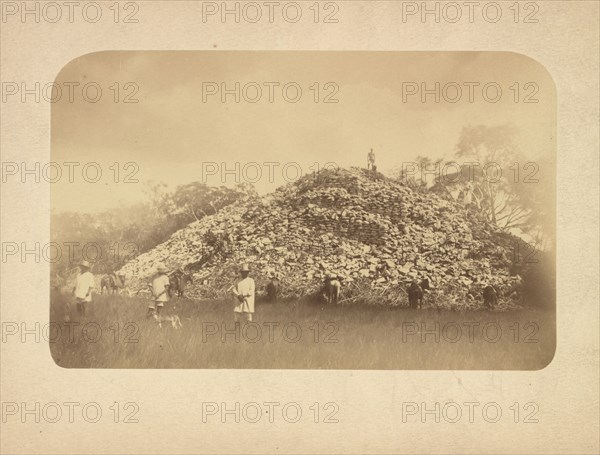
[160, 290]
[83, 287]
[244, 292]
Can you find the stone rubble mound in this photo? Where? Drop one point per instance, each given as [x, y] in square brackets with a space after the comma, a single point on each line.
[353, 222]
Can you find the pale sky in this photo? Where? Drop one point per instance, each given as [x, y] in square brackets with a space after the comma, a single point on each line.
[170, 132]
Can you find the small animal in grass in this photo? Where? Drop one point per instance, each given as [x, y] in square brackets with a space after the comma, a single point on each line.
[174, 320]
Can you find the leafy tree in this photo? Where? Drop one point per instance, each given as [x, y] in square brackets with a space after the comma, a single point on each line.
[492, 176]
[492, 148]
[196, 200]
[505, 185]
[120, 234]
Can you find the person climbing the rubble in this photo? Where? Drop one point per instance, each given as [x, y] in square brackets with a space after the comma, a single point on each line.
[371, 161]
[244, 292]
[160, 289]
[467, 196]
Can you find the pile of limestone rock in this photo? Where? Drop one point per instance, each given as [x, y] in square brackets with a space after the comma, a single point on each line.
[351, 222]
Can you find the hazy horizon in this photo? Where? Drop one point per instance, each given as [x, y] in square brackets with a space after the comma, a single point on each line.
[170, 132]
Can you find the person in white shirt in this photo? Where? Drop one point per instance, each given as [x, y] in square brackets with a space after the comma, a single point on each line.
[83, 287]
[244, 296]
[160, 290]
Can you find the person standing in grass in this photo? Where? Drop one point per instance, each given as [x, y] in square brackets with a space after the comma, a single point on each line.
[83, 287]
[160, 289]
[273, 287]
[244, 292]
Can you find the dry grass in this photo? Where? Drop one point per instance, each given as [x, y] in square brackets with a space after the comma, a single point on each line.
[367, 337]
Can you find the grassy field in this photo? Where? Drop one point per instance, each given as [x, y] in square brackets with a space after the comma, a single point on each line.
[115, 333]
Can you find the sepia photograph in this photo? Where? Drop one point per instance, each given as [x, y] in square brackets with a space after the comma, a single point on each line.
[299, 227]
[304, 210]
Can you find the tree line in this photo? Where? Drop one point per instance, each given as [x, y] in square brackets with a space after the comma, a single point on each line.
[112, 237]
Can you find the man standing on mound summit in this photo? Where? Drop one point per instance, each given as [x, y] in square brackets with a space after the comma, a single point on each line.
[371, 161]
[244, 294]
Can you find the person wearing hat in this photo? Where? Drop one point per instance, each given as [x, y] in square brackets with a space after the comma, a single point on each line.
[160, 289]
[83, 287]
[244, 296]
